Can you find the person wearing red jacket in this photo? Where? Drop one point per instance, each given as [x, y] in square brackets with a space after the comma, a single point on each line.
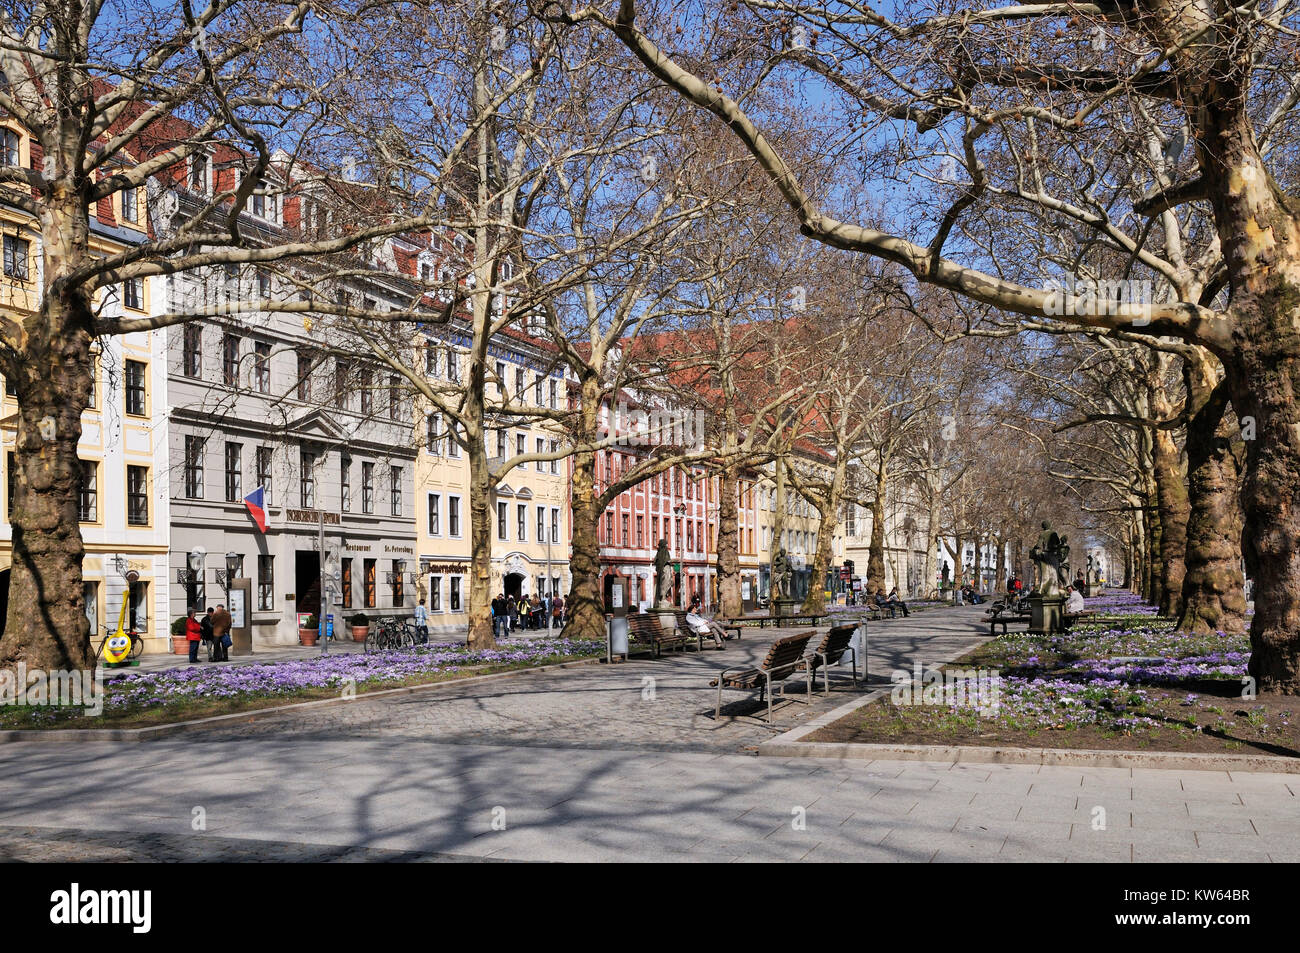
[193, 632]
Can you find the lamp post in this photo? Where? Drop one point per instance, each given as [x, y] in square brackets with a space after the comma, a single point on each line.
[679, 511]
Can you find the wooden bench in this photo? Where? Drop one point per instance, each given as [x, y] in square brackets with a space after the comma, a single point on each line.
[683, 624]
[999, 614]
[762, 621]
[784, 658]
[644, 629]
[832, 649]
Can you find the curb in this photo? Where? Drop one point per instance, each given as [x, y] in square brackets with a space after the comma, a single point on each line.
[789, 745]
[76, 735]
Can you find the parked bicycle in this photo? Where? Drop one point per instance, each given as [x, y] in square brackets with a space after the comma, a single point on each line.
[390, 633]
[137, 642]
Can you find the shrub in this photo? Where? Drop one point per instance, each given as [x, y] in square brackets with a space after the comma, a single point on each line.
[360, 618]
[312, 622]
[178, 627]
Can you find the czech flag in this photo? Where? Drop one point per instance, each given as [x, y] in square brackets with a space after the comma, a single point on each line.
[254, 503]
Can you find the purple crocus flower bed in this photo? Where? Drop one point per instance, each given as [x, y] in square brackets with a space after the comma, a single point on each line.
[330, 671]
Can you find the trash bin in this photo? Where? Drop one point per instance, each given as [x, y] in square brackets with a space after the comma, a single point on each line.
[617, 628]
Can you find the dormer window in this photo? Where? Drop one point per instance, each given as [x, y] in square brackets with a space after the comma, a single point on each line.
[258, 200]
[131, 205]
[199, 173]
[12, 144]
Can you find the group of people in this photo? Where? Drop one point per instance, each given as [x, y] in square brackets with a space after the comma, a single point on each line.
[525, 612]
[213, 628]
[891, 603]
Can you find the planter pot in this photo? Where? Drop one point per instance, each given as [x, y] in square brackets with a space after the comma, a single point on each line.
[308, 636]
[359, 632]
[180, 645]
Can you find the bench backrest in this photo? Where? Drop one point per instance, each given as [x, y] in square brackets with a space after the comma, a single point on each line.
[786, 654]
[836, 642]
[644, 626]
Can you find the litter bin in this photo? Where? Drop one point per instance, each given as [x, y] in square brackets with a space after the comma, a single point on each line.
[617, 634]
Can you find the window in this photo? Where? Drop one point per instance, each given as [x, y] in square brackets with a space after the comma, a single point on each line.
[552, 393]
[131, 205]
[262, 367]
[257, 201]
[262, 464]
[521, 521]
[453, 365]
[541, 524]
[435, 593]
[346, 583]
[501, 378]
[307, 480]
[12, 145]
[640, 531]
[88, 492]
[367, 394]
[609, 529]
[192, 351]
[16, 254]
[230, 360]
[453, 448]
[395, 485]
[537, 389]
[198, 173]
[345, 483]
[541, 448]
[555, 525]
[342, 371]
[520, 440]
[369, 582]
[519, 385]
[367, 488]
[137, 611]
[137, 496]
[433, 440]
[305, 361]
[435, 520]
[135, 372]
[454, 600]
[234, 472]
[394, 398]
[501, 444]
[265, 583]
[453, 516]
[430, 359]
[399, 582]
[194, 468]
[690, 537]
[133, 293]
[626, 538]
[501, 521]
[555, 464]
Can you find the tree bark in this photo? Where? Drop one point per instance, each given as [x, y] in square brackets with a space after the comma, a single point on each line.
[584, 606]
[728, 546]
[1171, 498]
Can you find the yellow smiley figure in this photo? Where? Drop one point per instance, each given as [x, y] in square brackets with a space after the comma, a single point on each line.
[117, 649]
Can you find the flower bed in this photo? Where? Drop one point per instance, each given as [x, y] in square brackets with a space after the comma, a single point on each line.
[1124, 682]
[175, 694]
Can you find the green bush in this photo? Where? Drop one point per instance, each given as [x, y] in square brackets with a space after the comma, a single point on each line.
[178, 627]
[312, 622]
[360, 618]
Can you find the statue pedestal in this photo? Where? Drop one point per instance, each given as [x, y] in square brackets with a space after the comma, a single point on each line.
[786, 607]
[1045, 614]
[667, 619]
[1094, 589]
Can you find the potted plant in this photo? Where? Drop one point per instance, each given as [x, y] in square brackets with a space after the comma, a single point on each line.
[309, 631]
[180, 638]
[360, 627]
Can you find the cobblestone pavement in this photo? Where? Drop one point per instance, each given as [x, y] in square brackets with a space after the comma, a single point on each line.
[657, 704]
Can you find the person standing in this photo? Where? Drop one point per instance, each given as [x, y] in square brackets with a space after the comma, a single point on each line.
[499, 616]
[422, 623]
[194, 634]
[221, 623]
[206, 625]
[557, 612]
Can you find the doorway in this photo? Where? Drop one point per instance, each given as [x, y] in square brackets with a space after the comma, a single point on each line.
[514, 584]
[306, 581]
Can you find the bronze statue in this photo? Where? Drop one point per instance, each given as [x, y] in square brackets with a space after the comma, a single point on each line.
[780, 575]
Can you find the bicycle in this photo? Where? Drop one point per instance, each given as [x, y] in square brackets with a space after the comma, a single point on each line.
[137, 642]
[388, 634]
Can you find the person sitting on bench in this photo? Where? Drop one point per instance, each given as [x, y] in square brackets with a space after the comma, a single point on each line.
[893, 602]
[1074, 604]
[884, 605]
[971, 595]
[702, 625]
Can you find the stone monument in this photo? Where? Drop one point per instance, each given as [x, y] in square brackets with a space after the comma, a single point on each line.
[783, 602]
[1047, 601]
[664, 587]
